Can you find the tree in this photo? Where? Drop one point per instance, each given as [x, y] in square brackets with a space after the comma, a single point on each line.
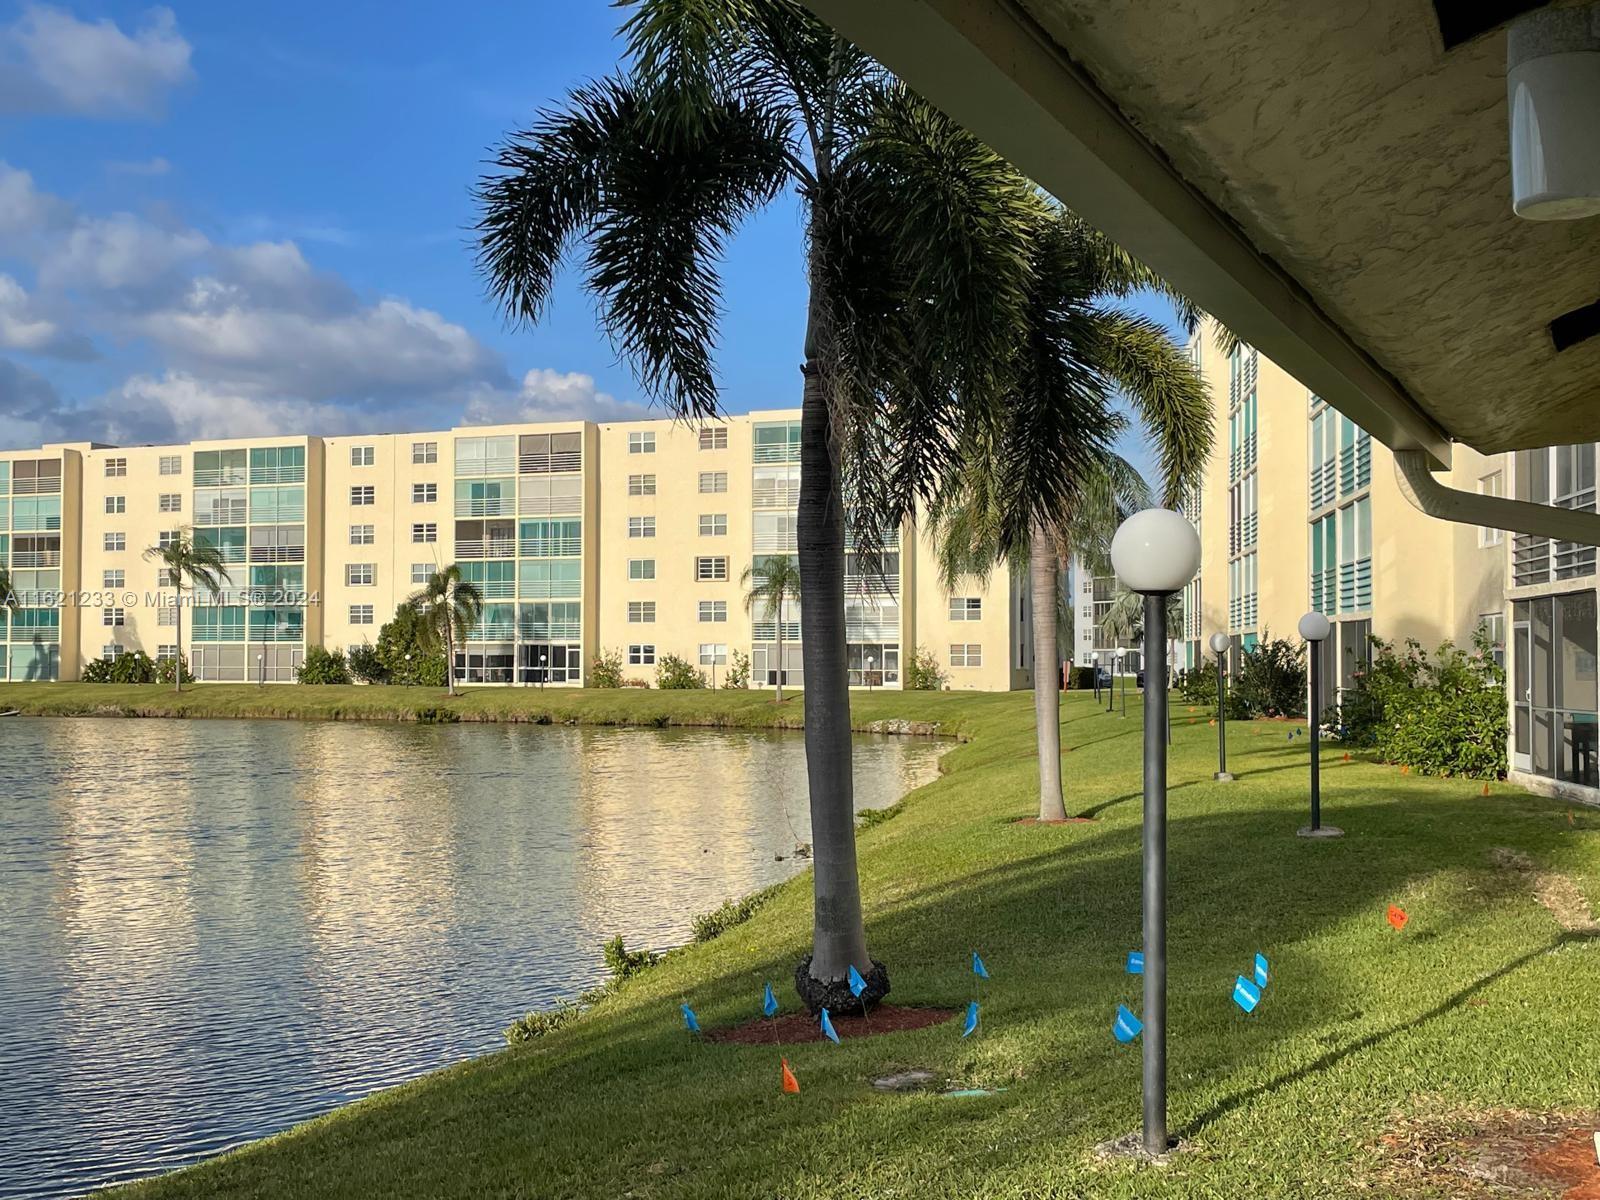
[1016, 497]
[450, 606]
[184, 559]
[409, 651]
[916, 256]
[770, 583]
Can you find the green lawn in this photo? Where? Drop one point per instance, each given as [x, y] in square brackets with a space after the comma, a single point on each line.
[1483, 1001]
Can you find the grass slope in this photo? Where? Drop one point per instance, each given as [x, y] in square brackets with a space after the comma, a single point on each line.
[1481, 1002]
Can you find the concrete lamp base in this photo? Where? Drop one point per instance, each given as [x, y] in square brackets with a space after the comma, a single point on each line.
[1223, 776]
[1326, 831]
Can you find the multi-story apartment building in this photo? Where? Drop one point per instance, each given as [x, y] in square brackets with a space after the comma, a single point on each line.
[630, 536]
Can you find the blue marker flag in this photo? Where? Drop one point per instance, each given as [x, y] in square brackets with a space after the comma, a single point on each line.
[1261, 970]
[1135, 962]
[828, 1031]
[1246, 994]
[1127, 1026]
[689, 1019]
[972, 1018]
[769, 1002]
[1288, 737]
[857, 984]
[978, 969]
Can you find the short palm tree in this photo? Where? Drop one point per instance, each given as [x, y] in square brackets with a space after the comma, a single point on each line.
[185, 559]
[916, 243]
[449, 605]
[769, 584]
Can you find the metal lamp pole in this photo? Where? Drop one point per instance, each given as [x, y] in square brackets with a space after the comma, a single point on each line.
[1155, 553]
[1219, 647]
[1122, 672]
[870, 661]
[543, 670]
[1314, 628]
[1094, 660]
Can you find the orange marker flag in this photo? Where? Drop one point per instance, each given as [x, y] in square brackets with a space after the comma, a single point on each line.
[1570, 821]
[1486, 789]
[1347, 756]
[1404, 770]
[790, 1083]
[1397, 916]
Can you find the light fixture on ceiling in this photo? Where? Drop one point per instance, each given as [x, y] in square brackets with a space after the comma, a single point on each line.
[1553, 90]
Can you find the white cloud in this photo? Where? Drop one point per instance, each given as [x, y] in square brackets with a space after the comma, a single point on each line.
[23, 328]
[547, 395]
[120, 252]
[50, 61]
[178, 407]
[25, 211]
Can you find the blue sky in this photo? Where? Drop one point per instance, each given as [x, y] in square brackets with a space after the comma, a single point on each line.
[229, 219]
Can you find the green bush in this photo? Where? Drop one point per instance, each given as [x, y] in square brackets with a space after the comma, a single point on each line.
[1080, 679]
[167, 667]
[1444, 715]
[728, 914]
[605, 671]
[96, 670]
[924, 674]
[134, 666]
[367, 665]
[738, 670]
[678, 674]
[323, 666]
[1198, 686]
[624, 963]
[409, 650]
[536, 1024]
[1272, 679]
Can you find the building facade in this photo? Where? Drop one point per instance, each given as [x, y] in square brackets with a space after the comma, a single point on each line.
[631, 537]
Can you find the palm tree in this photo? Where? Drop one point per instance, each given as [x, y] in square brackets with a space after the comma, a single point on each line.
[449, 605]
[1079, 352]
[916, 256]
[184, 558]
[769, 584]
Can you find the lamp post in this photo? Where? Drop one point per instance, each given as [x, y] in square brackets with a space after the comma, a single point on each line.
[261, 670]
[543, 658]
[1094, 659]
[1155, 553]
[1219, 647]
[1314, 628]
[870, 661]
[1122, 675]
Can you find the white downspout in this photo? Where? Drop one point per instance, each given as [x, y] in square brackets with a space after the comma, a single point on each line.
[1419, 486]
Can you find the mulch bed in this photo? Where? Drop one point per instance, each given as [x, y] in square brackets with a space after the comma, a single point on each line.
[802, 1027]
[1532, 1155]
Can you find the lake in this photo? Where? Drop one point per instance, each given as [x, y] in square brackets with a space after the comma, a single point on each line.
[210, 930]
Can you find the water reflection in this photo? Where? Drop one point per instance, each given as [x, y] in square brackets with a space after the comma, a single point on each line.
[212, 929]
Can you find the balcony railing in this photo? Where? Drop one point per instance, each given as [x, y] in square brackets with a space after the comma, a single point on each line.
[29, 560]
[37, 523]
[497, 589]
[487, 506]
[493, 631]
[767, 631]
[477, 468]
[549, 506]
[273, 554]
[775, 494]
[777, 453]
[551, 589]
[205, 477]
[49, 485]
[487, 548]
[291, 474]
[529, 630]
[551, 547]
[553, 463]
[782, 541]
[871, 587]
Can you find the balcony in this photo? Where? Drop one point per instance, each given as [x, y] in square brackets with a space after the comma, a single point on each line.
[767, 631]
[272, 554]
[35, 522]
[486, 506]
[532, 504]
[487, 548]
[551, 547]
[778, 541]
[48, 485]
[777, 452]
[553, 462]
[26, 560]
[294, 473]
[205, 477]
[775, 493]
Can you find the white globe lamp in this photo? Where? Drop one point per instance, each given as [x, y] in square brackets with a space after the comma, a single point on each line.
[1155, 552]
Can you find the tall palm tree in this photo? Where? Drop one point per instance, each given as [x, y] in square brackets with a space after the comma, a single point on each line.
[1080, 351]
[449, 605]
[200, 564]
[916, 258]
[769, 584]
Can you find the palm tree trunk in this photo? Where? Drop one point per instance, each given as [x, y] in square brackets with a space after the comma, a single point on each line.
[177, 625]
[839, 934]
[449, 660]
[779, 700]
[1043, 572]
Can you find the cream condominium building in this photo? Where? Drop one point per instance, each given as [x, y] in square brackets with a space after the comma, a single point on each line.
[629, 537]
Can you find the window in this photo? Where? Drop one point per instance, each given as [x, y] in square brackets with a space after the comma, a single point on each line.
[642, 442]
[966, 608]
[361, 614]
[362, 496]
[424, 493]
[1494, 627]
[713, 654]
[713, 482]
[360, 574]
[1492, 484]
[360, 456]
[425, 531]
[714, 610]
[166, 537]
[424, 452]
[111, 651]
[167, 652]
[641, 655]
[170, 502]
[713, 524]
[641, 527]
[116, 468]
[170, 464]
[116, 541]
[969, 654]
[641, 612]
[641, 568]
[116, 504]
[641, 485]
[421, 572]
[363, 535]
[710, 569]
[112, 616]
[114, 579]
[713, 437]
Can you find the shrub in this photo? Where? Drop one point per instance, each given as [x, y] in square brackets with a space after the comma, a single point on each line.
[738, 670]
[96, 670]
[1080, 679]
[606, 669]
[1198, 686]
[923, 673]
[367, 665]
[323, 666]
[409, 650]
[1272, 679]
[167, 667]
[624, 963]
[536, 1024]
[1440, 716]
[869, 818]
[134, 666]
[728, 914]
[678, 674]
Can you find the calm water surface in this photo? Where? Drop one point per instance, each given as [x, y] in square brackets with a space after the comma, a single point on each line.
[212, 929]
